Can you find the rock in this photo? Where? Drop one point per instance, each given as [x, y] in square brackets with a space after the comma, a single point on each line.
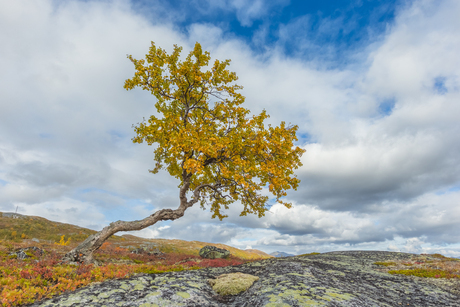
[35, 240]
[155, 252]
[212, 252]
[22, 253]
[329, 279]
[14, 215]
[138, 251]
[233, 283]
[142, 250]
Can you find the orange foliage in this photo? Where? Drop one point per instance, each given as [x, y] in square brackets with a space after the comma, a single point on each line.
[105, 245]
[215, 148]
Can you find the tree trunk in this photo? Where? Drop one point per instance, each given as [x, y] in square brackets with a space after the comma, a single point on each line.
[83, 253]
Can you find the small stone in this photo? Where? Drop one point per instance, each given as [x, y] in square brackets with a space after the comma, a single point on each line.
[156, 252]
[212, 252]
[138, 251]
[147, 251]
[22, 252]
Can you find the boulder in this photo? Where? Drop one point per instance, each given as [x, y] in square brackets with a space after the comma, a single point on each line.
[139, 251]
[212, 252]
[24, 253]
[146, 251]
[232, 283]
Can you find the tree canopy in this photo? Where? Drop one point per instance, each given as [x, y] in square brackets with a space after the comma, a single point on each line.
[206, 139]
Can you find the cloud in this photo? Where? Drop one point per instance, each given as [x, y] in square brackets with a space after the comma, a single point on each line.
[66, 210]
[221, 12]
[381, 169]
[248, 11]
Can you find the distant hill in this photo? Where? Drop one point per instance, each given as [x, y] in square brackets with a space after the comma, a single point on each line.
[18, 227]
[281, 254]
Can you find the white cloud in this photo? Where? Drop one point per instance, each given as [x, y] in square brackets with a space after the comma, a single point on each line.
[66, 210]
[375, 175]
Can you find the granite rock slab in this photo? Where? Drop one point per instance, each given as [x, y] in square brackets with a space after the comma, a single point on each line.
[330, 279]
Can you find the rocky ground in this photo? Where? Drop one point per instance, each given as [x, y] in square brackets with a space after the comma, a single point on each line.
[329, 279]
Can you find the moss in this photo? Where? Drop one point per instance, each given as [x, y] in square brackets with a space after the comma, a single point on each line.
[107, 294]
[334, 272]
[31, 255]
[233, 283]
[339, 296]
[139, 287]
[124, 286]
[277, 305]
[153, 294]
[184, 295]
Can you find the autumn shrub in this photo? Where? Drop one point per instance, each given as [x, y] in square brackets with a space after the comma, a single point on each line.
[389, 263]
[428, 273]
[25, 281]
[215, 263]
[63, 242]
[423, 266]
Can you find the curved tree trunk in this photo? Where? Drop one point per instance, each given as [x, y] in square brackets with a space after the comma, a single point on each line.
[83, 253]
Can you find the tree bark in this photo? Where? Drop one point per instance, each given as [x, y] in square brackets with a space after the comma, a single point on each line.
[83, 253]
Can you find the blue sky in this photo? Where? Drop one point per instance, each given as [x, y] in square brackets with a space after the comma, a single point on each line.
[373, 86]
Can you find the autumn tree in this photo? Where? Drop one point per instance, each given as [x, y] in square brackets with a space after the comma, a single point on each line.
[207, 140]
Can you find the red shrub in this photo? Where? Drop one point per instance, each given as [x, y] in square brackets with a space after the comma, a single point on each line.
[43, 271]
[84, 269]
[190, 263]
[215, 263]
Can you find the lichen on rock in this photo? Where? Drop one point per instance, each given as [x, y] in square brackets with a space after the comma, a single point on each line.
[212, 252]
[232, 283]
[346, 278]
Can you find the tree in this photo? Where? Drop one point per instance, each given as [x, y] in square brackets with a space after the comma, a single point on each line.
[207, 140]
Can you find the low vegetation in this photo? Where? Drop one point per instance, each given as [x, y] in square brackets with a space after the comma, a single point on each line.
[428, 266]
[27, 227]
[309, 254]
[42, 276]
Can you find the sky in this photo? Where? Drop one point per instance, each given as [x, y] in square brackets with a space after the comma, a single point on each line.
[373, 85]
